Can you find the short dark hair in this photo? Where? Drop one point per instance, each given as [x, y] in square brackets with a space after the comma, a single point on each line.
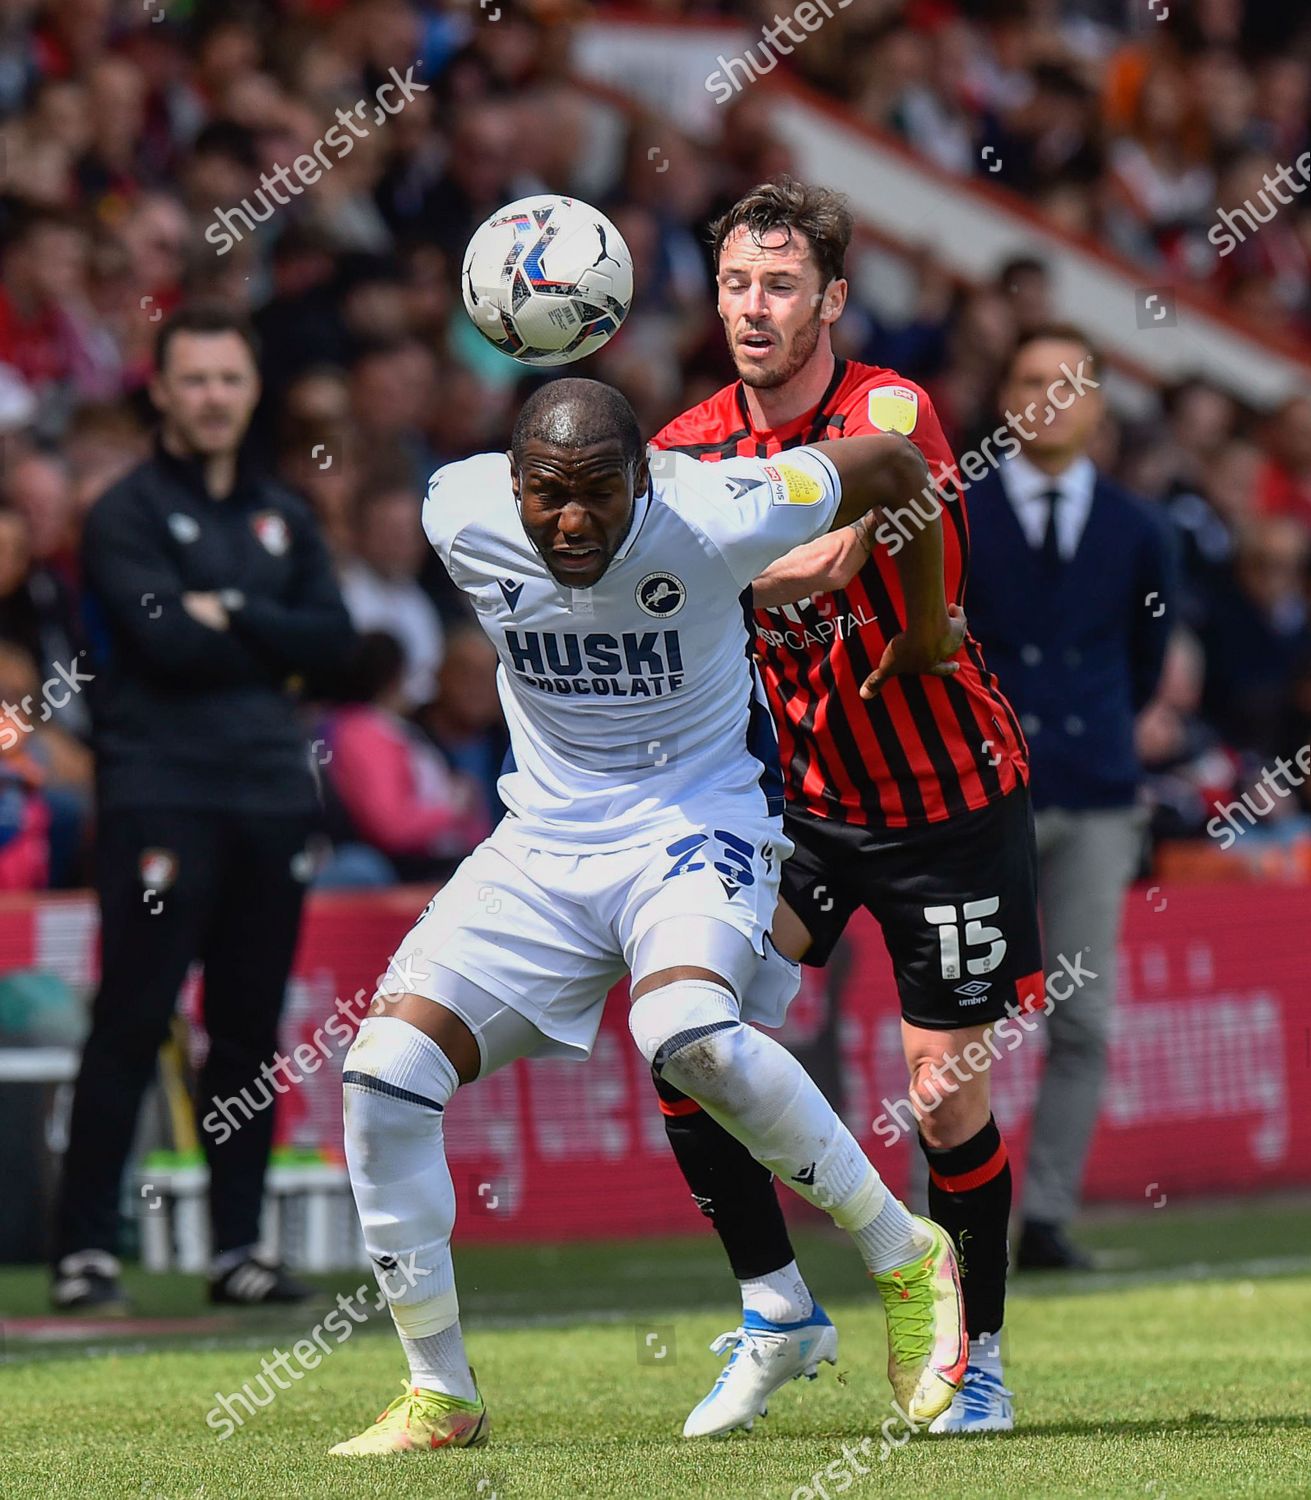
[1021, 265]
[793, 207]
[376, 662]
[575, 413]
[1064, 333]
[205, 317]
[30, 223]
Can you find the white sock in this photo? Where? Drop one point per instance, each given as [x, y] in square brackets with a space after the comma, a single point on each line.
[763, 1097]
[397, 1084]
[890, 1239]
[781, 1296]
[438, 1363]
[985, 1353]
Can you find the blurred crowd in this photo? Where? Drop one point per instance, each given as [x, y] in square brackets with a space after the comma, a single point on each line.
[123, 140]
[1128, 122]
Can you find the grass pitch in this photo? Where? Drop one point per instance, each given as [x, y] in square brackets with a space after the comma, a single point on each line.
[1182, 1371]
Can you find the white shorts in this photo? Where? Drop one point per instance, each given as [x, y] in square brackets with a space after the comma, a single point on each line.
[548, 934]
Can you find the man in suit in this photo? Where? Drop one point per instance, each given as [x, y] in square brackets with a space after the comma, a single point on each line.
[1069, 595]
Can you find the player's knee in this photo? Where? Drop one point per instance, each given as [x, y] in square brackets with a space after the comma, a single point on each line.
[396, 1083]
[685, 1030]
[951, 1106]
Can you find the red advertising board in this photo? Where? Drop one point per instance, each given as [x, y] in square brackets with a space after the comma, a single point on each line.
[1209, 1076]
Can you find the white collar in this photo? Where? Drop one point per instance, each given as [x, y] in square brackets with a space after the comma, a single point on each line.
[641, 504]
[1025, 482]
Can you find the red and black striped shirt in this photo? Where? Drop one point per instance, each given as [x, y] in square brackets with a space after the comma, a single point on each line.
[927, 748]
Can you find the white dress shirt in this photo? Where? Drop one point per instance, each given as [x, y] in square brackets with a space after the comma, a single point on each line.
[1026, 487]
[401, 608]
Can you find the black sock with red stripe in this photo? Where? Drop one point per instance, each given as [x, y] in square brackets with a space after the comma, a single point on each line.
[728, 1185]
[970, 1196]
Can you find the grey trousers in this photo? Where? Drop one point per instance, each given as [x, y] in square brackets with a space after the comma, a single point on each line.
[1085, 863]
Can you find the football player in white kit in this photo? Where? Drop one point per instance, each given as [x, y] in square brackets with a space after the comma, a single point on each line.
[644, 836]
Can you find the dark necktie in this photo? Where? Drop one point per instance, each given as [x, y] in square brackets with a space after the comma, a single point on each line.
[1050, 550]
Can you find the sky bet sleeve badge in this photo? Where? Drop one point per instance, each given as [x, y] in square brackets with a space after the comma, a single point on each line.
[894, 408]
[789, 485]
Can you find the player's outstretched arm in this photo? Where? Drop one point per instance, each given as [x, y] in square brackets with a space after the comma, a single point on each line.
[878, 472]
[829, 562]
[882, 473]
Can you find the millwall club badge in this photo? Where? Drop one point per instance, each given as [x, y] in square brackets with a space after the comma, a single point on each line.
[894, 408]
[272, 531]
[661, 595]
[159, 869]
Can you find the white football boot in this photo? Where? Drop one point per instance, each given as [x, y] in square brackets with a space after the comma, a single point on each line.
[764, 1356]
[983, 1404]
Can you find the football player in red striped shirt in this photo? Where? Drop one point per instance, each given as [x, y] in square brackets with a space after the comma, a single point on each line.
[907, 794]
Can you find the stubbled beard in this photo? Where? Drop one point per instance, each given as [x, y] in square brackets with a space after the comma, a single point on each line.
[803, 346]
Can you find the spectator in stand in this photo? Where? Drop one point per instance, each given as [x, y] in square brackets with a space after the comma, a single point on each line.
[483, 171]
[1207, 521]
[35, 612]
[104, 441]
[1188, 768]
[464, 721]
[1160, 180]
[397, 791]
[1026, 282]
[393, 390]
[1283, 487]
[39, 489]
[24, 811]
[380, 585]
[51, 765]
[46, 328]
[1257, 633]
[318, 453]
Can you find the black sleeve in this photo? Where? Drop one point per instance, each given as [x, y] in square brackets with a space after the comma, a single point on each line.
[128, 568]
[1156, 611]
[309, 631]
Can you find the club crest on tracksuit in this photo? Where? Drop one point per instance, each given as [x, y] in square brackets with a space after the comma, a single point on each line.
[273, 532]
[159, 869]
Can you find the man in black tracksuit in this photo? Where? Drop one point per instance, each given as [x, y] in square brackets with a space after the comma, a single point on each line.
[210, 589]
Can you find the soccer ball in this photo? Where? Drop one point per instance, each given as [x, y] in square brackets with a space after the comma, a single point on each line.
[547, 279]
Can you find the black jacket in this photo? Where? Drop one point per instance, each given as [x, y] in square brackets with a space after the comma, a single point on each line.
[1080, 656]
[185, 715]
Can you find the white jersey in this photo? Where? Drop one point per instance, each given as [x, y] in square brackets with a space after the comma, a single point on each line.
[633, 701]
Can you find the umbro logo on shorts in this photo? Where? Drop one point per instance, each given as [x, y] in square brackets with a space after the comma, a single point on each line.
[974, 992]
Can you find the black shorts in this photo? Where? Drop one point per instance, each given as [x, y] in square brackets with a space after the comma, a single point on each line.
[957, 902]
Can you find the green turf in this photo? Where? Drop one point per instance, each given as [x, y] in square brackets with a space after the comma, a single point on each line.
[1159, 1381]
